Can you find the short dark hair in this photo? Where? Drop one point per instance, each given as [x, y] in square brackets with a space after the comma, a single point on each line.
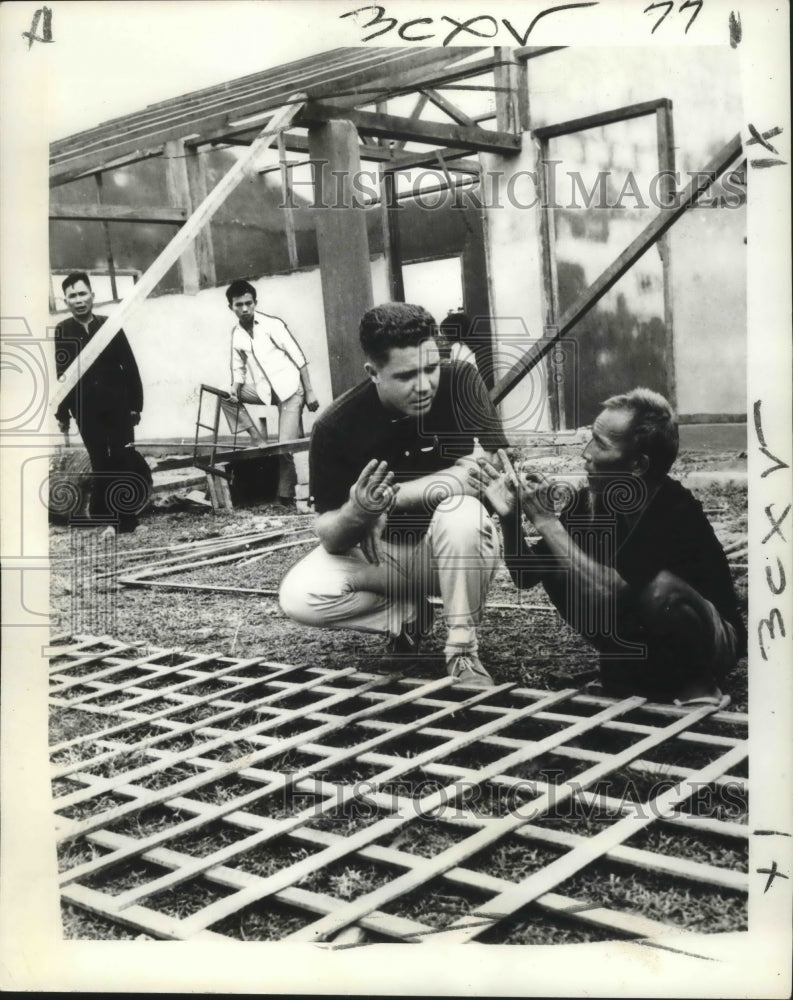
[239, 288]
[73, 278]
[456, 327]
[394, 324]
[653, 427]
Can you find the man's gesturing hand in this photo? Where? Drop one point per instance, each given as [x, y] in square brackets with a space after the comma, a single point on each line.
[373, 495]
[501, 488]
[536, 498]
[373, 492]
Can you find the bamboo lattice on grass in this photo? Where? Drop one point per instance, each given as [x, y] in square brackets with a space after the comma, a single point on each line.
[230, 797]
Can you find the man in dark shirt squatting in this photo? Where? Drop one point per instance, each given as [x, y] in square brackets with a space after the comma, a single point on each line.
[106, 403]
[396, 477]
[631, 562]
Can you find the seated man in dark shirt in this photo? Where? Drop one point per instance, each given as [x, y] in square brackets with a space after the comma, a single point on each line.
[397, 483]
[632, 562]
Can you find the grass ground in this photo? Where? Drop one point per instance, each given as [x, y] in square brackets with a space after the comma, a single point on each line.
[525, 643]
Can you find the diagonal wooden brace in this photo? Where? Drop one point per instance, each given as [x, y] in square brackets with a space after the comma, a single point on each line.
[665, 219]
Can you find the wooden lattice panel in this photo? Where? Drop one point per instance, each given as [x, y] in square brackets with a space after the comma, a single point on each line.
[251, 799]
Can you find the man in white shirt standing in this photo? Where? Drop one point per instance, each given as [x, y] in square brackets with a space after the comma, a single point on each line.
[267, 367]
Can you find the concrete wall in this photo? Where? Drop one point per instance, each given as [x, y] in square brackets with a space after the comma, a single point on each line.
[181, 341]
[711, 336]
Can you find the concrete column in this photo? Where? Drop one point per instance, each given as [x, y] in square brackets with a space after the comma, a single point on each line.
[343, 248]
[511, 189]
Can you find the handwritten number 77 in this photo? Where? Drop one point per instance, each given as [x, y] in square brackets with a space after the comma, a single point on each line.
[669, 4]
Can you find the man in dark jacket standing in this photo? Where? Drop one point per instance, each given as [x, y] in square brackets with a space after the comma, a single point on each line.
[106, 403]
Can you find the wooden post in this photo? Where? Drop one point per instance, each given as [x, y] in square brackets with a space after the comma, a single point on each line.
[512, 104]
[550, 291]
[197, 189]
[286, 196]
[666, 167]
[392, 247]
[179, 195]
[111, 264]
[514, 256]
[171, 253]
[343, 248]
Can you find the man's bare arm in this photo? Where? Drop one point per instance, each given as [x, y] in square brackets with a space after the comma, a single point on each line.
[595, 580]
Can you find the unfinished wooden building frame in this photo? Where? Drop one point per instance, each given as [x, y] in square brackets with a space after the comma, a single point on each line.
[342, 87]
[251, 799]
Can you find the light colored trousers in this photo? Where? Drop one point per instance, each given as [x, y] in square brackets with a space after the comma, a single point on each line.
[290, 426]
[455, 559]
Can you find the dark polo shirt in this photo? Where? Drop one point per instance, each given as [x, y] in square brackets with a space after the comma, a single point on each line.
[356, 428]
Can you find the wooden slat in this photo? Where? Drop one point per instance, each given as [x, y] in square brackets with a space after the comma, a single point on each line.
[614, 921]
[191, 784]
[601, 118]
[681, 868]
[666, 169]
[390, 825]
[409, 161]
[119, 213]
[234, 878]
[170, 254]
[181, 118]
[184, 756]
[550, 285]
[500, 708]
[149, 921]
[179, 194]
[210, 115]
[448, 108]
[222, 770]
[392, 126]
[286, 195]
[665, 219]
[198, 188]
[512, 92]
[589, 850]
[153, 717]
[458, 853]
[389, 215]
[157, 670]
[234, 736]
[397, 145]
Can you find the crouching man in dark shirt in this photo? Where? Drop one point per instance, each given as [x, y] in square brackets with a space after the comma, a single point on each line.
[631, 562]
[397, 486]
